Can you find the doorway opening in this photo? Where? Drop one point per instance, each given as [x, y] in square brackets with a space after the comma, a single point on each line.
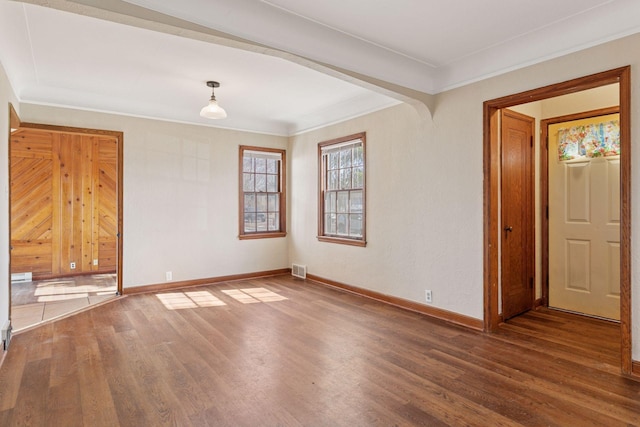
[65, 209]
[492, 209]
[580, 167]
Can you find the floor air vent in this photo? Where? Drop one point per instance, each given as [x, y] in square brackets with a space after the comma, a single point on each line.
[298, 270]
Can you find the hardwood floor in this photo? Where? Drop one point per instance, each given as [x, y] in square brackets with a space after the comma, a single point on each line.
[282, 352]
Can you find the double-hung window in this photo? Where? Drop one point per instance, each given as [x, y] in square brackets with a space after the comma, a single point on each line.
[342, 190]
[262, 192]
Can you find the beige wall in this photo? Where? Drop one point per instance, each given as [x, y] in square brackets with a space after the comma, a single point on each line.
[410, 247]
[180, 197]
[6, 96]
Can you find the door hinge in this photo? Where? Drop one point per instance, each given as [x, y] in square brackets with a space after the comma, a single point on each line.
[547, 211]
[531, 282]
[531, 140]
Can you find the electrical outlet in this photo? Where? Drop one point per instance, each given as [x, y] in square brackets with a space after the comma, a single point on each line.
[169, 275]
[72, 265]
[95, 261]
[428, 296]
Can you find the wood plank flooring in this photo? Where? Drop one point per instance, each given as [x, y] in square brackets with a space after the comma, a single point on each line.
[282, 352]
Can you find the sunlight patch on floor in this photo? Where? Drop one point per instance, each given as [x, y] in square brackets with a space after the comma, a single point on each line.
[195, 299]
[62, 297]
[70, 289]
[264, 295]
[240, 296]
[181, 300]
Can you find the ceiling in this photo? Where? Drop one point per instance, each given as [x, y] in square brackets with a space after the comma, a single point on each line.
[285, 66]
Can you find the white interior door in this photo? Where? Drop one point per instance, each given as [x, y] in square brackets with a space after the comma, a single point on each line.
[584, 229]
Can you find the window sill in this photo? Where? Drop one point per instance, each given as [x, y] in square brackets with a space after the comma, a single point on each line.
[342, 241]
[266, 235]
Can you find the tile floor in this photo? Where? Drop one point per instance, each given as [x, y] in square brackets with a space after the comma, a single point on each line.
[37, 301]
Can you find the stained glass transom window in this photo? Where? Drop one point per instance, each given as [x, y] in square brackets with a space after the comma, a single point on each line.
[589, 141]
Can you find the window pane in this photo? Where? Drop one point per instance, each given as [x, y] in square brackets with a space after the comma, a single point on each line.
[342, 224]
[261, 219]
[358, 156]
[247, 182]
[343, 201]
[345, 179]
[272, 183]
[273, 224]
[330, 224]
[358, 177]
[250, 202]
[249, 222]
[334, 160]
[261, 202]
[342, 189]
[247, 164]
[355, 225]
[261, 185]
[345, 158]
[333, 180]
[330, 202]
[355, 202]
[273, 205]
[272, 166]
[261, 182]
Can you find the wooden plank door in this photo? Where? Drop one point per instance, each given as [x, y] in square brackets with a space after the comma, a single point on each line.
[517, 191]
[584, 229]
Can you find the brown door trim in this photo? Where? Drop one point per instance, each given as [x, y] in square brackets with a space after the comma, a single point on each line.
[120, 151]
[491, 166]
[544, 186]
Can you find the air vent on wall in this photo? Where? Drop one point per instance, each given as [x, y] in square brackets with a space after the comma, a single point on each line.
[298, 270]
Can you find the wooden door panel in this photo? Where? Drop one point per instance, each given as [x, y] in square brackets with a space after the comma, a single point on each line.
[517, 260]
[578, 189]
[578, 255]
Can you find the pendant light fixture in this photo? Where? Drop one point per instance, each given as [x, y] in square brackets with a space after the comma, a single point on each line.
[213, 110]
